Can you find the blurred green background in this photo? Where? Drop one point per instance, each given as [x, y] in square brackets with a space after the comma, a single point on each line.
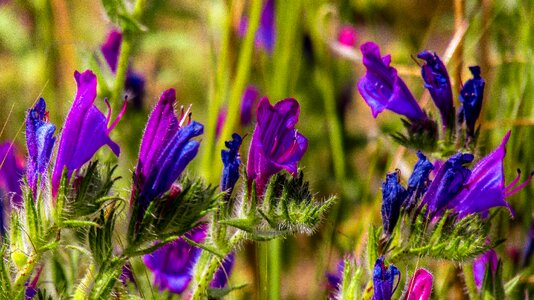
[193, 46]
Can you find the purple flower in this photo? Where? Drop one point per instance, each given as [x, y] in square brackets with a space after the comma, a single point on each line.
[220, 279]
[382, 88]
[166, 149]
[449, 180]
[111, 49]
[40, 141]
[334, 280]
[347, 36]
[384, 280]
[275, 144]
[31, 286]
[134, 83]
[248, 102]
[488, 258]
[127, 274]
[418, 181]
[486, 188]
[85, 130]
[529, 246]
[393, 196]
[11, 172]
[173, 263]
[420, 286]
[471, 97]
[266, 34]
[439, 85]
[231, 163]
[221, 118]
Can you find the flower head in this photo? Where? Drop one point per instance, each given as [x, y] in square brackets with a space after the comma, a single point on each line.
[166, 149]
[173, 263]
[485, 260]
[266, 34]
[231, 163]
[276, 144]
[439, 85]
[471, 97]
[11, 172]
[220, 279]
[384, 280]
[448, 182]
[40, 141]
[347, 36]
[111, 49]
[382, 88]
[486, 186]
[393, 196]
[31, 286]
[420, 286]
[85, 130]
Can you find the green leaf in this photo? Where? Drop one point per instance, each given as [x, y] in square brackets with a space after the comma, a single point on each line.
[106, 278]
[372, 247]
[219, 293]
[100, 236]
[206, 247]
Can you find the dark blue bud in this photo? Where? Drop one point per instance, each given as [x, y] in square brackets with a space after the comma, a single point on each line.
[231, 162]
[471, 96]
[393, 196]
[135, 87]
[384, 280]
[438, 84]
[418, 181]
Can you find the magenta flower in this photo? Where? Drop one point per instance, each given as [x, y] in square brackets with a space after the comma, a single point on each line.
[334, 280]
[347, 36]
[166, 149]
[85, 130]
[486, 188]
[11, 172]
[173, 263]
[382, 88]
[266, 34]
[40, 141]
[384, 280]
[485, 260]
[31, 286]
[439, 85]
[420, 286]
[275, 144]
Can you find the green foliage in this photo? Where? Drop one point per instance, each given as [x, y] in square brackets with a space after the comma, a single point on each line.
[119, 14]
[449, 238]
[288, 207]
[92, 188]
[351, 281]
[169, 217]
[219, 293]
[100, 237]
[420, 136]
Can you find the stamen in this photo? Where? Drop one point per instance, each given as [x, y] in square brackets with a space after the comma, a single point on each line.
[520, 187]
[185, 113]
[119, 116]
[109, 110]
[511, 185]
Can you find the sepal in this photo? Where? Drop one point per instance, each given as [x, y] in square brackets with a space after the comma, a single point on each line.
[421, 135]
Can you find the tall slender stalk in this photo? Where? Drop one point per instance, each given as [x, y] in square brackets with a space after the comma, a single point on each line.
[241, 78]
[217, 98]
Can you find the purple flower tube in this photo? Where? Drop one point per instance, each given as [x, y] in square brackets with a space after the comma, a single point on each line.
[85, 130]
[382, 88]
[276, 144]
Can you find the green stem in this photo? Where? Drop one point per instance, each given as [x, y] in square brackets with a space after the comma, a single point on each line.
[124, 56]
[217, 98]
[275, 251]
[208, 264]
[241, 78]
[470, 281]
[82, 289]
[24, 274]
